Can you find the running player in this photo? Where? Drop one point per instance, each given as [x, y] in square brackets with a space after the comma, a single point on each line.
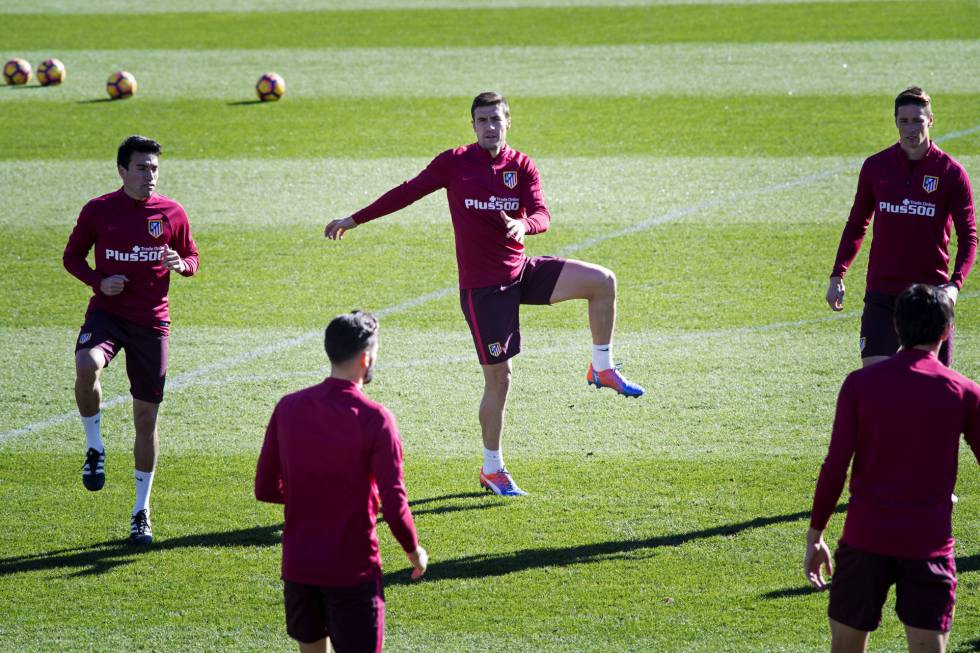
[329, 452]
[139, 238]
[900, 421]
[495, 200]
[915, 192]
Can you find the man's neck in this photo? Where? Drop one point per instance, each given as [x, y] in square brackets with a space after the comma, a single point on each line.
[917, 153]
[354, 376]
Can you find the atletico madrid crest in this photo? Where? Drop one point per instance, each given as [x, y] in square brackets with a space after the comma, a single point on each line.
[930, 183]
[154, 226]
[510, 179]
[496, 350]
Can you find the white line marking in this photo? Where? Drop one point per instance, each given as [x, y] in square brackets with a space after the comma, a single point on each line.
[194, 377]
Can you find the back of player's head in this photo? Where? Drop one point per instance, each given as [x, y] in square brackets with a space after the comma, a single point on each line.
[348, 335]
[132, 144]
[916, 97]
[922, 315]
[489, 99]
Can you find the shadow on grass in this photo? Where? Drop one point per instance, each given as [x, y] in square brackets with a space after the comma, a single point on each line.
[244, 103]
[99, 558]
[95, 100]
[973, 646]
[480, 566]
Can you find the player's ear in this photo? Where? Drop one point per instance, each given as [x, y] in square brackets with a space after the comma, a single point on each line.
[121, 170]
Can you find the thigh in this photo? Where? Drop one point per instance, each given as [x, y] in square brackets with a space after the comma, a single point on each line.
[355, 617]
[579, 280]
[493, 315]
[306, 614]
[99, 332]
[878, 337]
[146, 362]
[540, 278]
[926, 593]
[859, 587]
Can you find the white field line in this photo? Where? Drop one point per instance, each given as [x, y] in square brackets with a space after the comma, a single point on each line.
[194, 377]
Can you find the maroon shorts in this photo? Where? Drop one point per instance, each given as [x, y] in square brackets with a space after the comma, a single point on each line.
[493, 312]
[878, 337]
[146, 350]
[925, 590]
[352, 617]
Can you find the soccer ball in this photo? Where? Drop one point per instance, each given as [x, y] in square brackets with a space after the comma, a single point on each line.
[121, 85]
[51, 72]
[16, 72]
[270, 87]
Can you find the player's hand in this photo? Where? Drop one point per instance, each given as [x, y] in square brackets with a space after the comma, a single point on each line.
[172, 260]
[113, 285]
[952, 291]
[817, 560]
[336, 229]
[515, 228]
[420, 561]
[835, 293]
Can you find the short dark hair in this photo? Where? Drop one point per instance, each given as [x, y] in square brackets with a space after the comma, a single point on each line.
[489, 99]
[922, 315]
[915, 96]
[348, 335]
[136, 144]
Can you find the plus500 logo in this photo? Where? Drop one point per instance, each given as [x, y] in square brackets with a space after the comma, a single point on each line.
[910, 208]
[137, 255]
[494, 204]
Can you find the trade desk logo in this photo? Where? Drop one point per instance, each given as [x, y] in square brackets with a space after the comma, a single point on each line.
[494, 204]
[136, 255]
[154, 226]
[930, 183]
[510, 179]
[910, 207]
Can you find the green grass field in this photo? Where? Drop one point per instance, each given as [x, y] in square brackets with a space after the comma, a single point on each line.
[705, 151]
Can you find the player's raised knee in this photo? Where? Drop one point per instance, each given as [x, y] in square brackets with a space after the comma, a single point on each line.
[89, 362]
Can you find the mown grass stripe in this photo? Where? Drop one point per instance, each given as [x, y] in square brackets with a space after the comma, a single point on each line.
[861, 68]
[570, 26]
[365, 128]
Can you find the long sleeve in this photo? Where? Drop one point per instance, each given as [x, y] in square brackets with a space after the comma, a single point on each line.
[269, 484]
[183, 243]
[833, 473]
[965, 223]
[857, 223]
[434, 177]
[386, 466]
[538, 217]
[76, 251]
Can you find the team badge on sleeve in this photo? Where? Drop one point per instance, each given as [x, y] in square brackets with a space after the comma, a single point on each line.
[930, 183]
[510, 179]
[154, 226]
[495, 349]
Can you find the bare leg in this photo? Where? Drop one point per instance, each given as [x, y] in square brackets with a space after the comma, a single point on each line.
[89, 364]
[845, 639]
[496, 383]
[580, 280]
[322, 646]
[146, 445]
[926, 641]
[871, 360]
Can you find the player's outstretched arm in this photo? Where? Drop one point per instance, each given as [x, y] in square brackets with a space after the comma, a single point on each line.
[336, 229]
[817, 559]
[835, 293]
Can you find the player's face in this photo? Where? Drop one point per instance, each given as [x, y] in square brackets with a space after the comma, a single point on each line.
[140, 178]
[491, 125]
[913, 126]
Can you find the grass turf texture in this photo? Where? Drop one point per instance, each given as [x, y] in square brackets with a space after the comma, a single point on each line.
[670, 523]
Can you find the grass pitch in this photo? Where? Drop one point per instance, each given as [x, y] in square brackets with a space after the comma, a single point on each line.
[706, 152]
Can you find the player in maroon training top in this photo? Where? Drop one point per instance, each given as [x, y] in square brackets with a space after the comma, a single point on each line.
[916, 193]
[329, 455]
[900, 420]
[495, 200]
[139, 238]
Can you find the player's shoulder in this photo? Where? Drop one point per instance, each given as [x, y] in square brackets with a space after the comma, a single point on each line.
[947, 163]
[163, 202]
[102, 200]
[885, 157]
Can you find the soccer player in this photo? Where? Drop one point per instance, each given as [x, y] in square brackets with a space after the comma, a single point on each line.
[900, 420]
[915, 192]
[139, 238]
[495, 200]
[329, 451]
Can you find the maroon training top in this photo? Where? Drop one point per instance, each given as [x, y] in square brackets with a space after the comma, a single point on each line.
[913, 203]
[478, 188]
[901, 420]
[328, 452]
[130, 237]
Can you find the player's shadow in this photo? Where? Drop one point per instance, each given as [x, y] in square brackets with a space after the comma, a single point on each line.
[973, 646]
[440, 510]
[489, 565]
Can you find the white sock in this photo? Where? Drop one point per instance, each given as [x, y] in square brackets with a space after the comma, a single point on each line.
[493, 461]
[602, 357]
[144, 481]
[92, 438]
